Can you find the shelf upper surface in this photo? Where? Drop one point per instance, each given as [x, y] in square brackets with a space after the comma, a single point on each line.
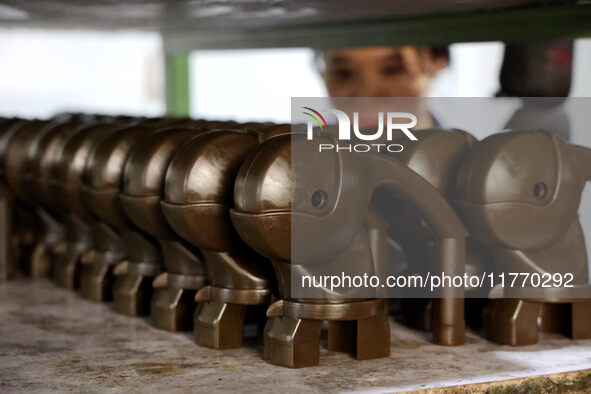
[52, 340]
[191, 24]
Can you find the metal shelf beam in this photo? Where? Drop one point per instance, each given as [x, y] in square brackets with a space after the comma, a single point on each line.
[509, 25]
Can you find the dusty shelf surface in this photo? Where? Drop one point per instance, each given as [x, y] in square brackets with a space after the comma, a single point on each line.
[53, 340]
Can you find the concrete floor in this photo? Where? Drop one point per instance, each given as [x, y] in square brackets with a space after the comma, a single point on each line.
[51, 340]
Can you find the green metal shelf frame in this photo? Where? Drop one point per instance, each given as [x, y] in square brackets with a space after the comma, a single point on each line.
[509, 25]
[178, 86]
[526, 24]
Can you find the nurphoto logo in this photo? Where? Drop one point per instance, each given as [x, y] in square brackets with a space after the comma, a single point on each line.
[392, 121]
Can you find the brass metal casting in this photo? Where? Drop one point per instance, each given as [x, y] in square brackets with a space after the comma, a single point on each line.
[198, 195]
[263, 215]
[170, 306]
[65, 185]
[519, 192]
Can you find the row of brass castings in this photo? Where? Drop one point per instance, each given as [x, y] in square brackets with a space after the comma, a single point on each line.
[190, 222]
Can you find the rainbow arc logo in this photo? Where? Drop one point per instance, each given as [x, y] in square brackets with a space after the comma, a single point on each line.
[323, 125]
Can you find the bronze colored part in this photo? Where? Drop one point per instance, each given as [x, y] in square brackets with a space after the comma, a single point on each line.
[21, 151]
[366, 339]
[172, 307]
[292, 343]
[198, 195]
[569, 319]
[43, 159]
[132, 268]
[519, 193]
[67, 253]
[160, 281]
[143, 179]
[219, 325]
[182, 258]
[545, 195]
[140, 196]
[121, 269]
[102, 178]
[327, 311]
[9, 255]
[437, 157]
[17, 224]
[9, 128]
[53, 233]
[24, 235]
[254, 226]
[199, 187]
[29, 226]
[96, 276]
[234, 296]
[419, 193]
[237, 269]
[515, 321]
[213, 216]
[66, 182]
[132, 290]
[272, 160]
[160, 123]
[579, 317]
[193, 282]
[264, 215]
[217, 125]
[217, 156]
[449, 325]
[252, 126]
[16, 158]
[132, 294]
[277, 129]
[173, 301]
[143, 212]
[67, 174]
[7, 263]
[104, 174]
[511, 322]
[255, 201]
[65, 243]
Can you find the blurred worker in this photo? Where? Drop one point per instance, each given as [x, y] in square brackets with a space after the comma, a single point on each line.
[405, 71]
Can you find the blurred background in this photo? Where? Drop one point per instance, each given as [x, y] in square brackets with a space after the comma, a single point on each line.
[43, 72]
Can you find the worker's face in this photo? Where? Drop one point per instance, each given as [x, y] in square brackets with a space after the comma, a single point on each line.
[404, 71]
